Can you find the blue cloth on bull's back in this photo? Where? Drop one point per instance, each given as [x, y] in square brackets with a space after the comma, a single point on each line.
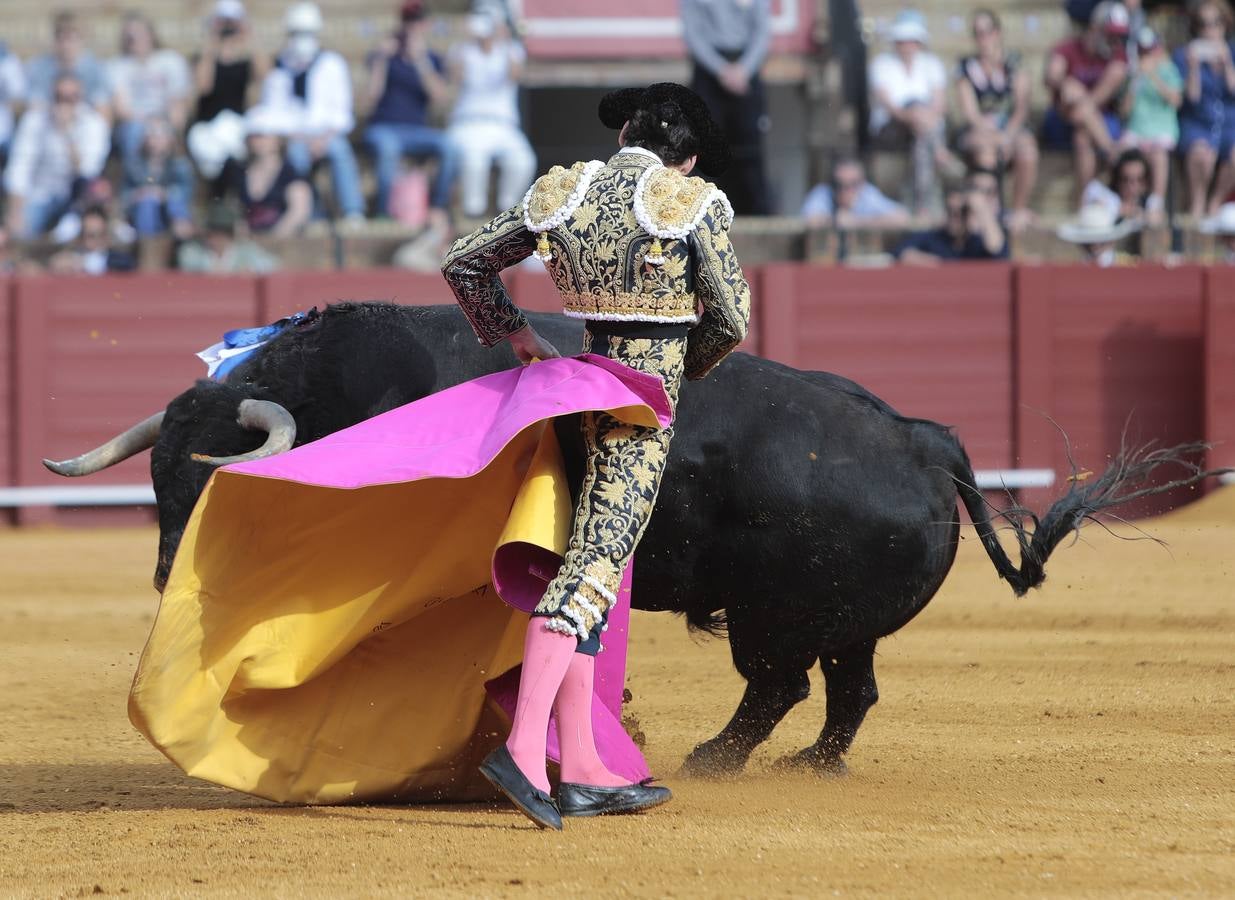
[253, 339]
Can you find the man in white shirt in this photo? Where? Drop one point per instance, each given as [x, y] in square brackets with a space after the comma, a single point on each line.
[908, 103]
[312, 88]
[55, 150]
[484, 125]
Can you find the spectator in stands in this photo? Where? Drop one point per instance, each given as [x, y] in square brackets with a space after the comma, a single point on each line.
[993, 94]
[1207, 116]
[147, 81]
[1085, 75]
[406, 79]
[12, 96]
[312, 88]
[1129, 193]
[157, 187]
[908, 104]
[56, 151]
[68, 56]
[275, 197]
[1097, 233]
[218, 252]
[1153, 127]
[93, 252]
[728, 43]
[224, 73]
[850, 201]
[484, 124]
[972, 231]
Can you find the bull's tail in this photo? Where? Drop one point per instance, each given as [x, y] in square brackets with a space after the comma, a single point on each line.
[1126, 479]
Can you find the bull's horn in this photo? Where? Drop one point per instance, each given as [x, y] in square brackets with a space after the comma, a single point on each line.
[138, 438]
[260, 415]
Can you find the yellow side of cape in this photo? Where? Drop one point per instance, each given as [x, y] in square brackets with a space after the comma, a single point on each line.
[317, 645]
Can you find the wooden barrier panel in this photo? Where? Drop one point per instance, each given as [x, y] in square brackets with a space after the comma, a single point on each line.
[1220, 365]
[935, 343]
[8, 385]
[1095, 346]
[284, 293]
[98, 354]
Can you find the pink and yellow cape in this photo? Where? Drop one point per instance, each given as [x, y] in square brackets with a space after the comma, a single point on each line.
[333, 629]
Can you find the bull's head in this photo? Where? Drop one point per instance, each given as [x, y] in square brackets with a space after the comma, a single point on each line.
[208, 418]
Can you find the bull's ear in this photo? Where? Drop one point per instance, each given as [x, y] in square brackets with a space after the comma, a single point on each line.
[259, 415]
[128, 443]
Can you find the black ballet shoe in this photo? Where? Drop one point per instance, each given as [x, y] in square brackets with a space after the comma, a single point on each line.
[499, 767]
[592, 800]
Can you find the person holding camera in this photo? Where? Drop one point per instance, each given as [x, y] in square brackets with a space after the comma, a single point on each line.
[224, 73]
[406, 79]
[1207, 116]
[971, 231]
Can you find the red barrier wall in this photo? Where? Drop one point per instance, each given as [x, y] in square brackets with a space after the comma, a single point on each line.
[8, 380]
[96, 355]
[1095, 346]
[288, 292]
[935, 343]
[1220, 367]
[987, 348]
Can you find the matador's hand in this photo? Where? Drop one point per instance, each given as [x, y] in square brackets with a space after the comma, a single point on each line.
[528, 345]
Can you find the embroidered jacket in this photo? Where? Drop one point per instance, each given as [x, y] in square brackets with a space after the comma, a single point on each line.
[628, 240]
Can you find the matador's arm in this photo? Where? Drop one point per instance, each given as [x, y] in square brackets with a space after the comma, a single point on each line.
[722, 288]
[472, 268]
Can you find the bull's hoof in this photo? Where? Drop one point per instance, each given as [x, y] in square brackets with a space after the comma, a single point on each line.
[812, 760]
[714, 759]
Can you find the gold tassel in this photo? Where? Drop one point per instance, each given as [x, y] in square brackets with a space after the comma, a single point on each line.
[656, 254]
[543, 251]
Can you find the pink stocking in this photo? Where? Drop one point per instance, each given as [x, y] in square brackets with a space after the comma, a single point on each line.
[546, 656]
[580, 762]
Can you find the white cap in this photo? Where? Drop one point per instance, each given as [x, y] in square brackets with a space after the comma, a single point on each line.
[229, 9]
[909, 25]
[263, 119]
[1096, 224]
[303, 17]
[481, 25]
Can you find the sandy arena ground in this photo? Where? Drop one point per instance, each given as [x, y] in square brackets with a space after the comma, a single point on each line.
[1079, 742]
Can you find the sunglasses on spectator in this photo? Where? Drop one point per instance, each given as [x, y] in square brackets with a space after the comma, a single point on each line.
[851, 184]
[94, 234]
[1210, 21]
[67, 98]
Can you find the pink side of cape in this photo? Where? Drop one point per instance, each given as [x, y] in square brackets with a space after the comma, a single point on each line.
[455, 433]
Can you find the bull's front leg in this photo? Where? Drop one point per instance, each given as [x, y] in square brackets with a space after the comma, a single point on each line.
[851, 691]
[775, 663]
[765, 702]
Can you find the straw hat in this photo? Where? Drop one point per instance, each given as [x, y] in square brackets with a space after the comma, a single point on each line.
[1096, 224]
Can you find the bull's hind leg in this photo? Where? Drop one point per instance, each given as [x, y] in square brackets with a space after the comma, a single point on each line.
[777, 679]
[850, 685]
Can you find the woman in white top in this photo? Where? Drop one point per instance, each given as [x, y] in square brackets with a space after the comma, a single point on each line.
[908, 103]
[484, 124]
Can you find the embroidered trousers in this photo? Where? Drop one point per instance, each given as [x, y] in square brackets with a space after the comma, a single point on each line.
[622, 469]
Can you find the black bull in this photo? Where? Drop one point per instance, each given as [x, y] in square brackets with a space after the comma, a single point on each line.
[798, 510]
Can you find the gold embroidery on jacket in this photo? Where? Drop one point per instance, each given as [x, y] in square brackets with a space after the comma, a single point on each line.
[472, 268]
[621, 479]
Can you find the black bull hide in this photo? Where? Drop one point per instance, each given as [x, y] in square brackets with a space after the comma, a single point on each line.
[798, 510]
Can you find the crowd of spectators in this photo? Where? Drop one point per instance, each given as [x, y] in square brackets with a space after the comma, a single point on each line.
[1127, 109]
[234, 142]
